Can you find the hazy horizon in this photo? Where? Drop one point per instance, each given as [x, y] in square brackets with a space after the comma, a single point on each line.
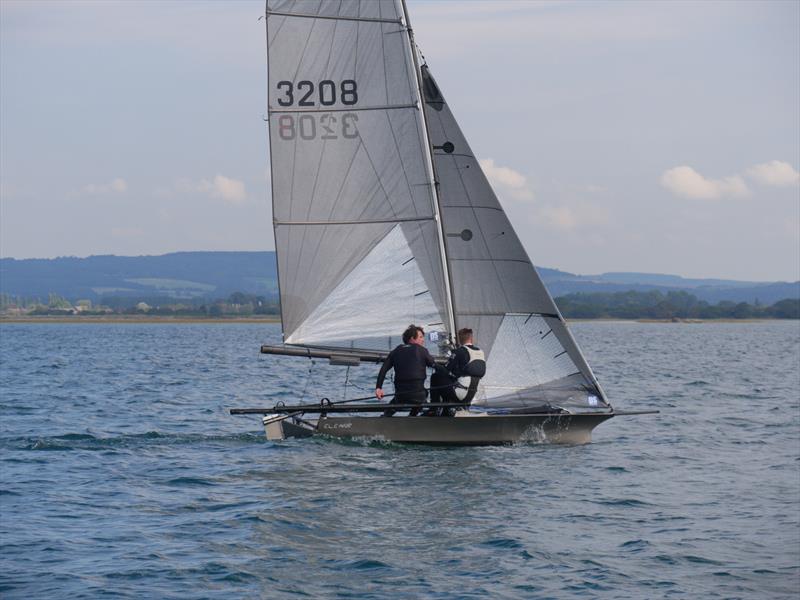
[652, 137]
[538, 266]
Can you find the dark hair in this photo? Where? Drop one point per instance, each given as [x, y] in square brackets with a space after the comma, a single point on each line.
[411, 332]
[464, 335]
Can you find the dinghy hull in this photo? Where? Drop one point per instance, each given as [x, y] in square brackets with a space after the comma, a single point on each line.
[472, 430]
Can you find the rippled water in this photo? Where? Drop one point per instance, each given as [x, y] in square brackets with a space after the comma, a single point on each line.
[121, 473]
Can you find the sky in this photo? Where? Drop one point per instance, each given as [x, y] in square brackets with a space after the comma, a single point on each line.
[659, 137]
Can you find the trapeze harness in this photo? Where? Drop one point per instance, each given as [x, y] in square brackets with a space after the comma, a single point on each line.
[467, 384]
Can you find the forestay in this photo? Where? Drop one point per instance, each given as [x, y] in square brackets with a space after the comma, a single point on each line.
[531, 356]
[353, 205]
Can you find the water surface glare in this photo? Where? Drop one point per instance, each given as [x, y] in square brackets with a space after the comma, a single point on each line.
[122, 474]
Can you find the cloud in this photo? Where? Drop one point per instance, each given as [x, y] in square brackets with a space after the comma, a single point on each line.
[509, 180]
[685, 181]
[225, 188]
[560, 217]
[117, 186]
[775, 172]
[571, 218]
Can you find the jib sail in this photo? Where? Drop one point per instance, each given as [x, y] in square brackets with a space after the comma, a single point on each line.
[531, 356]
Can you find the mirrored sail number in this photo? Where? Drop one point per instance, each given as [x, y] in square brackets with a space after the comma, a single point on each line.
[326, 126]
[305, 93]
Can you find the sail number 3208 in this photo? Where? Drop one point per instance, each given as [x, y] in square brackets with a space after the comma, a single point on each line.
[326, 92]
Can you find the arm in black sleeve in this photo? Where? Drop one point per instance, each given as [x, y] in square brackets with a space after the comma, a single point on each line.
[387, 364]
[452, 364]
[428, 358]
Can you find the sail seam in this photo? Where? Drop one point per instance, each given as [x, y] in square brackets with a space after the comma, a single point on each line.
[321, 157]
[474, 206]
[294, 150]
[366, 222]
[334, 18]
[489, 260]
[482, 234]
[336, 200]
[389, 119]
[503, 314]
[274, 37]
[454, 154]
[278, 111]
[355, 153]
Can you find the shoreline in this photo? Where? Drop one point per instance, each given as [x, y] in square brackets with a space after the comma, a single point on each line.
[270, 319]
[135, 319]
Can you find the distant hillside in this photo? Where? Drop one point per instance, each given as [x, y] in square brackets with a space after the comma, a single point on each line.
[213, 275]
[181, 275]
[710, 290]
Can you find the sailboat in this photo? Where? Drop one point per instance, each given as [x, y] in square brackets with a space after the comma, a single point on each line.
[383, 217]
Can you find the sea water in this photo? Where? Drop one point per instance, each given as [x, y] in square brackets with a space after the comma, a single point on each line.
[122, 474]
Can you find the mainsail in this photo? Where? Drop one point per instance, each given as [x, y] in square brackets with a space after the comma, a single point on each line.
[366, 243]
[354, 211]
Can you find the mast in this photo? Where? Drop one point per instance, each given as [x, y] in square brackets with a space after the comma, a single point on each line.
[271, 173]
[437, 209]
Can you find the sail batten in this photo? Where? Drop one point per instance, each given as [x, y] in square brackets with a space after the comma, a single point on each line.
[364, 222]
[275, 13]
[272, 111]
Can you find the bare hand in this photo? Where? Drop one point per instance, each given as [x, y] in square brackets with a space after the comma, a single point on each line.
[379, 393]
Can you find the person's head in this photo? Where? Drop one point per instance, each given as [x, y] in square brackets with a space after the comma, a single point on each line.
[464, 336]
[414, 335]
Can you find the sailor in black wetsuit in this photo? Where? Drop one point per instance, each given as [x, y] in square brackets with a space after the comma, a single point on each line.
[458, 381]
[408, 361]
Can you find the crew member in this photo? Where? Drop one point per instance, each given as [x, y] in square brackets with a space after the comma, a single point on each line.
[458, 381]
[408, 361]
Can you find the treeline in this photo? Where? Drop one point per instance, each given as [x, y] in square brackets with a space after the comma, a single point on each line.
[672, 305]
[599, 305]
[237, 304]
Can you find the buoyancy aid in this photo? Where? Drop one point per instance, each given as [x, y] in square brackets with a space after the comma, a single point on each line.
[475, 368]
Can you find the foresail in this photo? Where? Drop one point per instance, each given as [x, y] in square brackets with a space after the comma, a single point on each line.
[350, 181]
[384, 289]
[531, 356]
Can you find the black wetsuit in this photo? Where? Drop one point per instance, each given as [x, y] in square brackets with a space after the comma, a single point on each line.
[409, 362]
[443, 380]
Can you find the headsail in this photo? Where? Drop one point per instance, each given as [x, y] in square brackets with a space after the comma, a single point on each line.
[353, 205]
[532, 357]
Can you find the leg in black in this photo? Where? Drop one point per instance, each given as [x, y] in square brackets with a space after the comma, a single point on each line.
[416, 398]
[441, 383]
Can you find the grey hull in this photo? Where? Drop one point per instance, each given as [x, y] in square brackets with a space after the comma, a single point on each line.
[469, 431]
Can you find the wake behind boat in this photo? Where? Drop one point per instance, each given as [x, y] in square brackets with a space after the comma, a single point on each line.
[383, 217]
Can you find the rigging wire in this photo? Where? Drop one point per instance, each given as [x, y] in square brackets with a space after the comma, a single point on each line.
[310, 374]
